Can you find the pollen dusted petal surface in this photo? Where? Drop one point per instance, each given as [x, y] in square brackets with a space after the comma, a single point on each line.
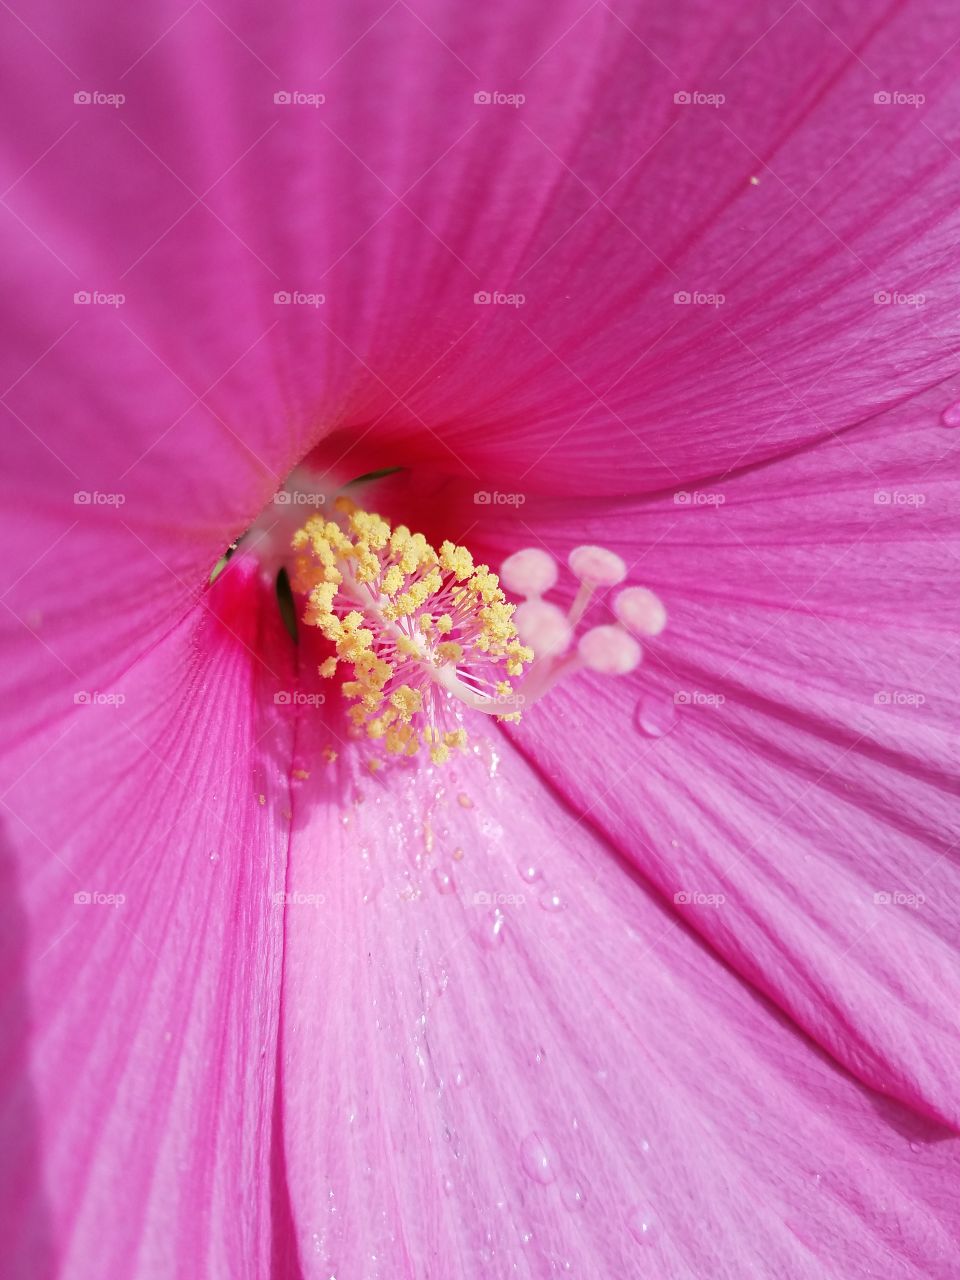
[140, 1068]
[577, 1084]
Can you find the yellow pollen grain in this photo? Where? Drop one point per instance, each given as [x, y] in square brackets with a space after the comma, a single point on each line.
[301, 774]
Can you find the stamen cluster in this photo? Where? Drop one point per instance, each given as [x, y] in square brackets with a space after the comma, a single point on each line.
[421, 629]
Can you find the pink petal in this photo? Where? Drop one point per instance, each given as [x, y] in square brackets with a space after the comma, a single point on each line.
[809, 671]
[400, 198]
[462, 1099]
[141, 1035]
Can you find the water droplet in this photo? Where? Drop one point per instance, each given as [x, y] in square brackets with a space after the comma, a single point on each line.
[550, 900]
[448, 1186]
[372, 889]
[529, 871]
[951, 415]
[460, 1075]
[656, 716]
[915, 1146]
[643, 1225]
[214, 857]
[491, 932]
[573, 1196]
[537, 1159]
[443, 880]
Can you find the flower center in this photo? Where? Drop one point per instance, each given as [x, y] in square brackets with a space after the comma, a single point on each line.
[423, 630]
[425, 633]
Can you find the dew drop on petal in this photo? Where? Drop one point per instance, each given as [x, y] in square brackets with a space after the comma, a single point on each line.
[529, 871]
[491, 931]
[443, 880]
[951, 415]
[643, 1224]
[537, 1159]
[573, 1196]
[656, 716]
[460, 1075]
[550, 900]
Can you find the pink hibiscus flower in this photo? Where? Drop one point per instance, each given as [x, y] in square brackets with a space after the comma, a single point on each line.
[660, 981]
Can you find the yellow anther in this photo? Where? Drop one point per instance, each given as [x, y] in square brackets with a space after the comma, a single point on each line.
[407, 702]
